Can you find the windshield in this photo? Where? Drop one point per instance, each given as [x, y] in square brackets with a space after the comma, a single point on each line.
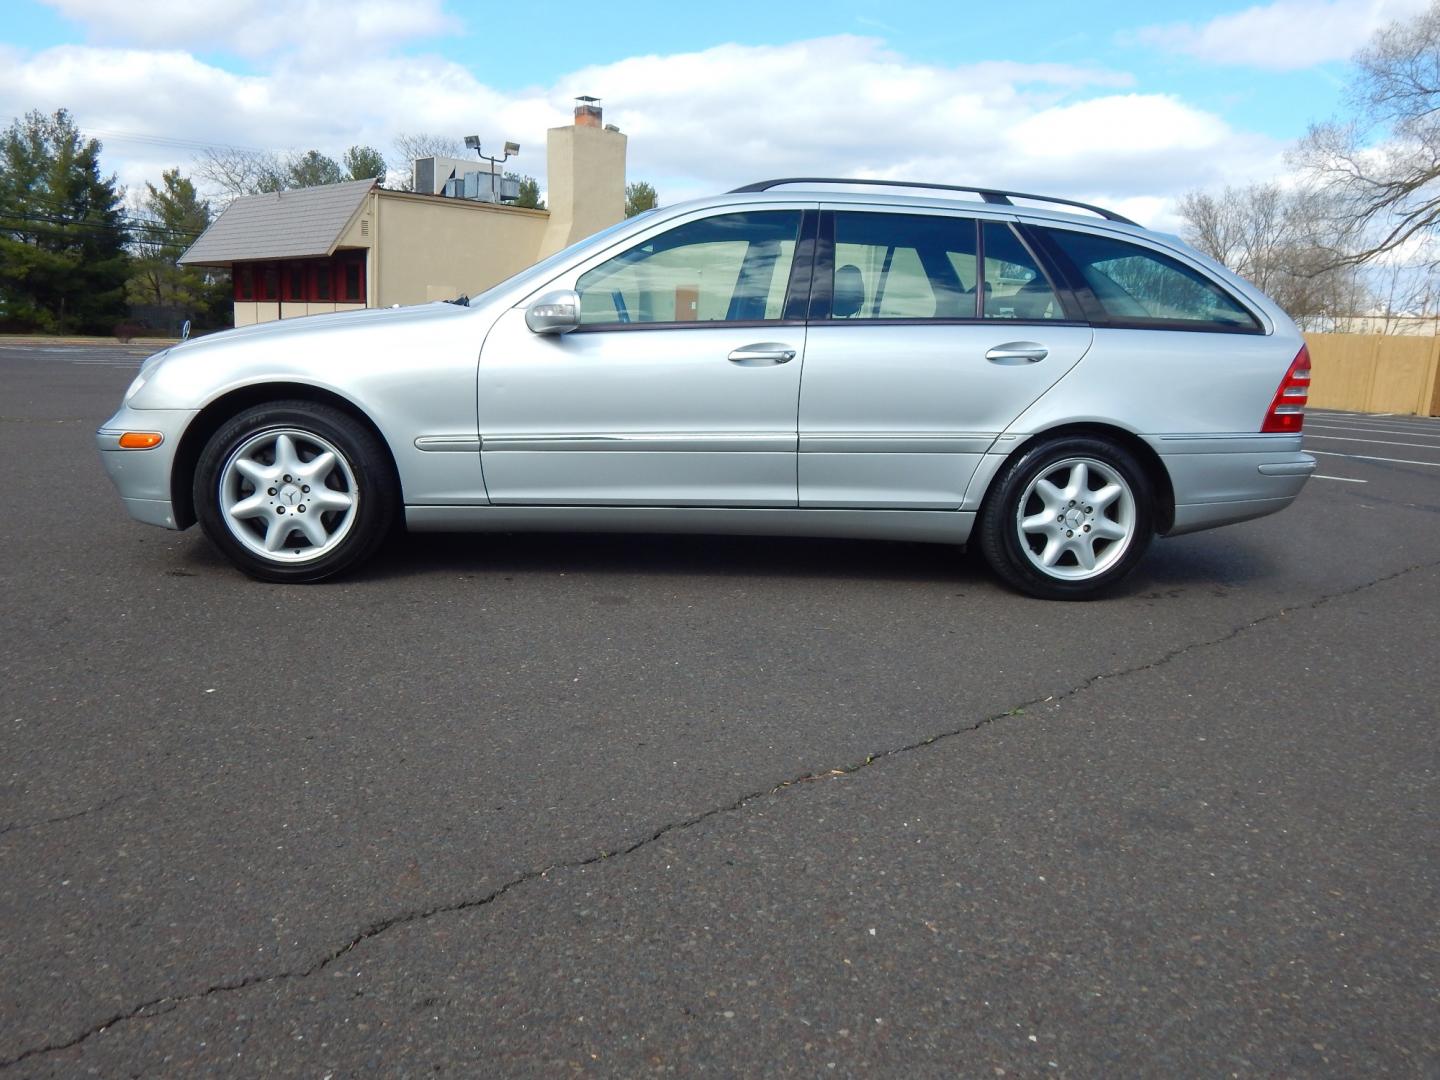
[545, 267]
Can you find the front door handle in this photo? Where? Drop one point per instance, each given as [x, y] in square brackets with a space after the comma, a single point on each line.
[1017, 352]
[766, 352]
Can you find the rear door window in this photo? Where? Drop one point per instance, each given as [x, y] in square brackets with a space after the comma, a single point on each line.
[929, 266]
[1136, 286]
[1015, 287]
[903, 266]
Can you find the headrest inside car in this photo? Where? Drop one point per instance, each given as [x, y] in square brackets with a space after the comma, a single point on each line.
[849, 292]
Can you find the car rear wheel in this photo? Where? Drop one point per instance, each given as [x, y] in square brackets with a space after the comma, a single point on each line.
[1068, 518]
[295, 491]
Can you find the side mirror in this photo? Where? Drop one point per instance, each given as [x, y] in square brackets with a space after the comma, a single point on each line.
[554, 313]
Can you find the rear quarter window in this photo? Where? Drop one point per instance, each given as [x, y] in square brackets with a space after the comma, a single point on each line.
[1137, 286]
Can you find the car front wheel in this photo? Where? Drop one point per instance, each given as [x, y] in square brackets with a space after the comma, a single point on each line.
[1068, 518]
[295, 491]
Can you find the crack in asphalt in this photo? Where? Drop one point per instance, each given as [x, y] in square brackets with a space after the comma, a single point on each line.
[24, 825]
[166, 1003]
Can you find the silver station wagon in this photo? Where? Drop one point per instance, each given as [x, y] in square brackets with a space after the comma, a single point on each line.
[1036, 376]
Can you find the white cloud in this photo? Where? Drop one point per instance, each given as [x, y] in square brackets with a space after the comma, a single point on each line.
[851, 107]
[314, 28]
[698, 122]
[1284, 35]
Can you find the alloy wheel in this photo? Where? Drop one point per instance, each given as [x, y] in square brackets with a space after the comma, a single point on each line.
[1076, 519]
[288, 495]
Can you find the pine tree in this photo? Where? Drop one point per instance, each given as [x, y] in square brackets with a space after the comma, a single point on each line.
[172, 216]
[63, 263]
[639, 197]
[529, 193]
[313, 169]
[363, 163]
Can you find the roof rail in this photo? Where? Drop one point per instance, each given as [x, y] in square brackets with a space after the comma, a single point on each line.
[989, 195]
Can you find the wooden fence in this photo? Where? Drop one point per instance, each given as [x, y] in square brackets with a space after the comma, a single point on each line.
[1382, 373]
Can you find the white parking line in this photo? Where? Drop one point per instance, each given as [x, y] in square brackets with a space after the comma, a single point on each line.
[1368, 457]
[1377, 442]
[1417, 423]
[1419, 433]
[1343, 479]
[1384, 418]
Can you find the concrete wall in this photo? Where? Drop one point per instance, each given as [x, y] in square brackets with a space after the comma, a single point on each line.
[1375, 373]
[426, 250]
[585, 180]
[433, 249]
[253, 311]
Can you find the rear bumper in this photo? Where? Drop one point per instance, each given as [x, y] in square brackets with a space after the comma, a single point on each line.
[1193, 517]
[1213, 489]
[142, 477]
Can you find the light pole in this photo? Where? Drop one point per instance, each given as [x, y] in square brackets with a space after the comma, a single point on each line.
[512, 149]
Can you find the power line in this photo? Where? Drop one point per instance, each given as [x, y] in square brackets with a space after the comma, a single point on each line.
[162, 140]
[125, 223]
[40, 226]
[67, 214]
[49, 199]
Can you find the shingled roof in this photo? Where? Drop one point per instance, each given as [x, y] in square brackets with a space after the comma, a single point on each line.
[304, 223]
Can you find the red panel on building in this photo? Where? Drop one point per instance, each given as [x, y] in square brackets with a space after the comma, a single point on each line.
[338, 279]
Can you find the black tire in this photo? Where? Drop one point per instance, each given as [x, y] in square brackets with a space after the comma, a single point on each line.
[1016, 554]
[362, 473]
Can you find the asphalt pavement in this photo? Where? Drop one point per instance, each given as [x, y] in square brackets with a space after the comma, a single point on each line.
[620, 805]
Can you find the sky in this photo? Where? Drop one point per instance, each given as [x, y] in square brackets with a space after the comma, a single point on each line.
[1125, 103]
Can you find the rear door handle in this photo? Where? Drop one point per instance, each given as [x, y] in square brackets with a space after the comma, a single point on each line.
[766, 352]
[1017, 352]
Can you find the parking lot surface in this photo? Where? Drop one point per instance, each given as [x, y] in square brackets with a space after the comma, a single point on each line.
[518, 805]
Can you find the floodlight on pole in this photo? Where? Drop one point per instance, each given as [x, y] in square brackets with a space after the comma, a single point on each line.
[512, 149]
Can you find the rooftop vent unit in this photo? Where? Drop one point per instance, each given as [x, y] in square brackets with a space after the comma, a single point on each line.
[479, 186]
[483, 187]
[430, 174]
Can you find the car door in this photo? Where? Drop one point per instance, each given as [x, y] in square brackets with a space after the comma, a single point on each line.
[930, 332]
[680, 385]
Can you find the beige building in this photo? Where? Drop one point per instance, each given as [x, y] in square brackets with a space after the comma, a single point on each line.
[346, 246]
[1403, 325]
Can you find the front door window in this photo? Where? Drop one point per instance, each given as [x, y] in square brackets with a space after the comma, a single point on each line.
[729, 268]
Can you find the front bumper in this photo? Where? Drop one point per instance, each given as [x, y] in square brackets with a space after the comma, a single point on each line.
[142, 477]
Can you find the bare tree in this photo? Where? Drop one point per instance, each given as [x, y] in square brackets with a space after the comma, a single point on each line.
[1248, 229]
[408, 147]
[249, 172]
[1212, 224]
[1383, 167]
[1284, 242]
[1405, 298]
[235, 172]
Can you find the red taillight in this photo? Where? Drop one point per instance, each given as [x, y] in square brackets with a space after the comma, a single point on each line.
[1286, 414]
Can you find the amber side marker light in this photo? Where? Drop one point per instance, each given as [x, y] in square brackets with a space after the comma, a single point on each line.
[141, 440]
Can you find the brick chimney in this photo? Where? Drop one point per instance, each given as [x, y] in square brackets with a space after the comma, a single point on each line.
[588, 112]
